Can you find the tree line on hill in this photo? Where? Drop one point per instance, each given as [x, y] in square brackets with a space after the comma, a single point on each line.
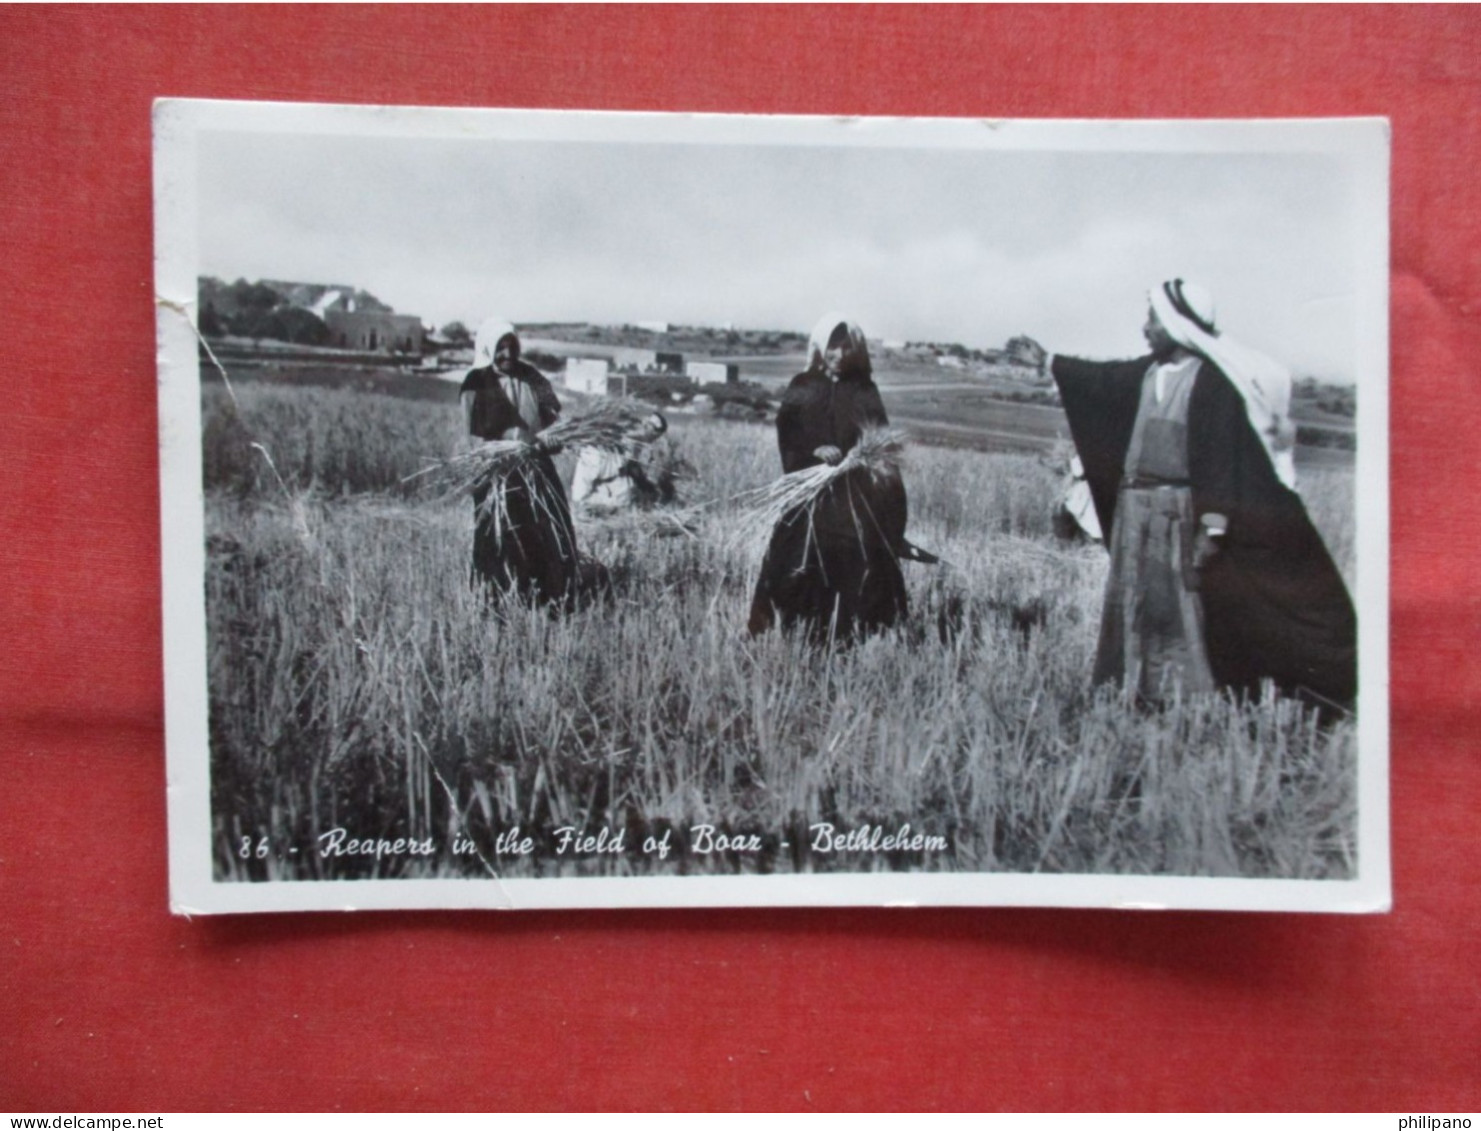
[257, 311]
[273, 310]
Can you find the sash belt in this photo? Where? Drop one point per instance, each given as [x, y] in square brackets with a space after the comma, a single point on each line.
[1147, 484]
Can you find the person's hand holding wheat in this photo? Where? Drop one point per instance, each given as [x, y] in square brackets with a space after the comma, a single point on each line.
[829, 454]
[606, 425]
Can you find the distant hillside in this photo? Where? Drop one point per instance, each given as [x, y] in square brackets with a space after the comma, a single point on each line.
[1313, 397]
[688, 340]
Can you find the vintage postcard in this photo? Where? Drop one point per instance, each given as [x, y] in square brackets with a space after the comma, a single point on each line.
[615, 510]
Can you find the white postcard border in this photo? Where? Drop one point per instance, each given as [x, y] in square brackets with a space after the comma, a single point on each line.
[1364, 143]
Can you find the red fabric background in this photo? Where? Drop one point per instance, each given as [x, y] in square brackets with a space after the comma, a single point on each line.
[106, 1002]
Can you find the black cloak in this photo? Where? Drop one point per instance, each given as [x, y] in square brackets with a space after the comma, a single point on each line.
[534, 554]
[842, 569]
[1275, 606]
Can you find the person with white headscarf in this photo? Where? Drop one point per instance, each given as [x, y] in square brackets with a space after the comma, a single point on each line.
[608, 482]
[835, 569]
[1218, 577]
[1074, 512]
[528, 545]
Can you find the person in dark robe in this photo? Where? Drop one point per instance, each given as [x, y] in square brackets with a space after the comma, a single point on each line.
[1218, 577]
[527, 546]
[834, 568]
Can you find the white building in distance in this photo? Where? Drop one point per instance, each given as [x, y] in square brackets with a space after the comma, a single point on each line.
[587, 375]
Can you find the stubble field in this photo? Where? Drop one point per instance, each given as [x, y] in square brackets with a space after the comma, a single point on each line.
[360, 691]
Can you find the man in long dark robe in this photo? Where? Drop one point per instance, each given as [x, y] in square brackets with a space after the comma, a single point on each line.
[1218, 577]
[525, 542]
[834, 568]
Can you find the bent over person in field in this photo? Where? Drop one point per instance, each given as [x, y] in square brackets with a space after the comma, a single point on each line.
[1218, 577]
[834, 566]
[523, 540]
[607, 482]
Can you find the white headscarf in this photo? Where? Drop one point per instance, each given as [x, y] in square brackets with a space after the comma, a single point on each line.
[1186, 312]
[822, 332]
[490, 334]
[519, 392]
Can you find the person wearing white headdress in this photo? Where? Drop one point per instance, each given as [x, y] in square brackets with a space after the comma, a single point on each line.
[1218, 577]
[527, 546]
[1074, 511]
[608, 482]
[834, 570]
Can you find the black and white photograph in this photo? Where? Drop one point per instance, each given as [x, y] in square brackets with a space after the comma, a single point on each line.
[586, 509]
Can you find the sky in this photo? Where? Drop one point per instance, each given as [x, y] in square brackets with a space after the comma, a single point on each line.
[971, 246]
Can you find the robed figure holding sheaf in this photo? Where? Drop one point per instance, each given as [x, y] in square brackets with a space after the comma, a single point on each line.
[1218, 577]
[523, 540]
[834, 566]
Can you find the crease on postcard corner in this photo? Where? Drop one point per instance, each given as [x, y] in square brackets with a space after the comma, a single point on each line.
[507, 901]
[183, 309]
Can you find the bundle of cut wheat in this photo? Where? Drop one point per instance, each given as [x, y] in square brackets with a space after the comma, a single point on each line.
[879, 452]
[495, 464]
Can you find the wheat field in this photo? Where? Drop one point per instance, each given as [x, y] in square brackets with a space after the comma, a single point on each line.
[358, 684]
